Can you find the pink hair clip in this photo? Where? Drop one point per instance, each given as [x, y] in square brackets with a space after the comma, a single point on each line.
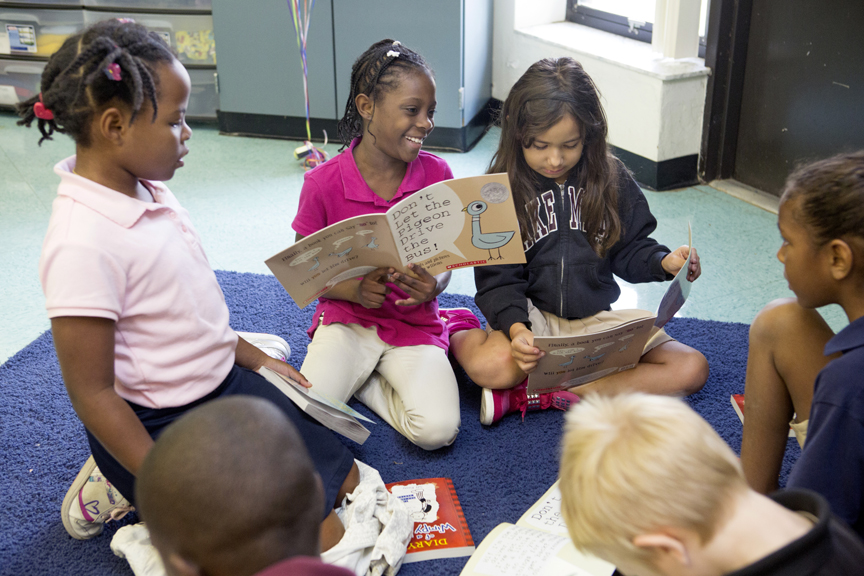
[41, 111]
[113, 72]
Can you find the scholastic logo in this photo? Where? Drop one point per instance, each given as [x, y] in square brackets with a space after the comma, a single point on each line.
[463, 264]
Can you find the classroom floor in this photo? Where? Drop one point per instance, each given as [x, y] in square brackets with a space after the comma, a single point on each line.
[242, 195]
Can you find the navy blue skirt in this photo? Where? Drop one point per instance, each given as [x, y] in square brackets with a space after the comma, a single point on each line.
[332, 459]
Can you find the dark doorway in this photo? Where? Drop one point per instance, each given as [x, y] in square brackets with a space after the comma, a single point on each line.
[798, 82]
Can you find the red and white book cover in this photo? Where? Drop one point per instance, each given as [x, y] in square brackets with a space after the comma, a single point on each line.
[440, 530]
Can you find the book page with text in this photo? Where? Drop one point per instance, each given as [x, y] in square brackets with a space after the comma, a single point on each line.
[458, 223]
[511, 550]
[545, 514]
[575, 360]
[347, 249]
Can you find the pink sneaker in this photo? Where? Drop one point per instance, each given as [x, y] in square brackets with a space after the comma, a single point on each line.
[495, 404]
[458, 319]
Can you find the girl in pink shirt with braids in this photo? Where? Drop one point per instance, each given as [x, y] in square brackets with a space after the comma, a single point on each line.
[381, 338]
[139, 321]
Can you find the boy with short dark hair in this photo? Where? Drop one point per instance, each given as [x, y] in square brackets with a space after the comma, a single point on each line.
[229, 490]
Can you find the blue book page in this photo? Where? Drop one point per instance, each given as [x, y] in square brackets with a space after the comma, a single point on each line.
[678, 290]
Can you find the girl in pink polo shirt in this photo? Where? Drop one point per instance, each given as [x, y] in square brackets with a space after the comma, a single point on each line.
[380, 337]
[139, 322]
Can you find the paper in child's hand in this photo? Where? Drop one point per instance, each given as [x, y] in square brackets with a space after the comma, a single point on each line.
[678, 290]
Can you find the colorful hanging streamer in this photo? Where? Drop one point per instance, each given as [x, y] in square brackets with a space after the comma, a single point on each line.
[301, 17]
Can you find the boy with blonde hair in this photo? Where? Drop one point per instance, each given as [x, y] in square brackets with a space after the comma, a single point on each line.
[648, 485]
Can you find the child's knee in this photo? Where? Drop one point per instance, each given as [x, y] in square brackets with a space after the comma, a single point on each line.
[694, 372]
[434, 433]
[496, 370]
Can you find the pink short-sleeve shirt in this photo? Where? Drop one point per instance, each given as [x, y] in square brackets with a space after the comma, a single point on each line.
[335, 191]
[141, 265]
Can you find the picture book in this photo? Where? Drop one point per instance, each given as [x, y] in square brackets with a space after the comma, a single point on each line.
[537, 544]
[440, 530]
[451, 224]
[575, 360]
[330, 412]
[738, 404]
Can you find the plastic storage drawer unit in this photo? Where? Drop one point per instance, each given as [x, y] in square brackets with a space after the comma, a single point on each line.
[19, 80]
[52, 2]
[37, 31]
[191, 35]
[151, 5]
[203, 100]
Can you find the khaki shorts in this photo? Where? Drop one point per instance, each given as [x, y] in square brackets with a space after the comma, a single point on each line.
[800, 430]
[547, 324]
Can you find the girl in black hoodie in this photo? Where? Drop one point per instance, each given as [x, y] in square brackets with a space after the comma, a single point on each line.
[582, 218]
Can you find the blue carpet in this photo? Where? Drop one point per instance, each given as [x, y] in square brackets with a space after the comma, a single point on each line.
[498, 471]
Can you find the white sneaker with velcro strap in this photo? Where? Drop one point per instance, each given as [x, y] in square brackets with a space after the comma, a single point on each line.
[270, 344]
[90, 502]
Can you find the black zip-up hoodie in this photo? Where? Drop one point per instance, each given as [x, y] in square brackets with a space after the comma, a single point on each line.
[563, 275]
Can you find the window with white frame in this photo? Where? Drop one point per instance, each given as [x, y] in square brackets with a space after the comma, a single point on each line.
[630, 18]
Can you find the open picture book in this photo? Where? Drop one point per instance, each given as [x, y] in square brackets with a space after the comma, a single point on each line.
[538, 544]
[575, 360]
[451, 224]
[330, 412]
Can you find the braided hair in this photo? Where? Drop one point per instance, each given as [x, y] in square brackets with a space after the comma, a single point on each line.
[830, 195]
[375, 72]
[77, 80]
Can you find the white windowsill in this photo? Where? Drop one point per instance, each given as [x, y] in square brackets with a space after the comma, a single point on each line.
[618, 50]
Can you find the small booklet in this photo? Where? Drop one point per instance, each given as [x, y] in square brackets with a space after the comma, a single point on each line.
[738, 404]
[440, 530]
[678, 290]
[538, 544]
[330, 412]
[451, 224]
[575, 360]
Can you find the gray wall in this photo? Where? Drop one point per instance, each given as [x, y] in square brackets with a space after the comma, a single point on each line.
[477, 40]
[260, 74]
[432, 28]
[259, 62]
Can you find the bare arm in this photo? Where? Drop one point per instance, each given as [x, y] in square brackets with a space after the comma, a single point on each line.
[248, 356]
[85, 349]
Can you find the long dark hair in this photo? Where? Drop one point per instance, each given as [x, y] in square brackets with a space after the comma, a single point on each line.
[75, 84]
[830, 195]
[546, 92]
[374, 72]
